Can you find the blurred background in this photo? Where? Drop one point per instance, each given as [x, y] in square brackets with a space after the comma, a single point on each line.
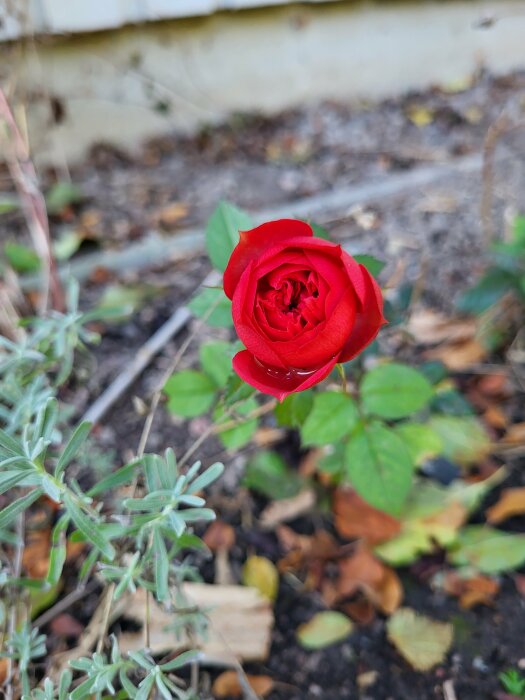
[371, 117]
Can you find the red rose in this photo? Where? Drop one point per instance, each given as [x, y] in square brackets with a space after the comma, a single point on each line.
[300, 305]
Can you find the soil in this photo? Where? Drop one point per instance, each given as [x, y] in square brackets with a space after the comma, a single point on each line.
[258, 162]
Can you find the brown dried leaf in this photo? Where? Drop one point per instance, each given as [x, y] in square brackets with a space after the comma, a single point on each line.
[519, 580]
[287, 509]
[354, 518]
[219, 535]
[459, 356]
[4, 668]
[360, 610]
[228, 685]
[431, 328]
[379, 583]
[515, 435]
[511, 502]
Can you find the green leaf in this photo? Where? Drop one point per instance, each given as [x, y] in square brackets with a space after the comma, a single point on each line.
[395, 391]
[319, 231]
[21, 258]
[9, 513]
[216, 361]
[241, 434]
[222, 232]
[324, 629]
[333, 415]
[489, 550]
[71, 449]
[216, 299]
[67, 245]
[373, 265]
[519, 230]
[421, 441]
[452, 403]
[189, 393]
[207, 477]
[464, 438]
[267, 473]
[295, 408]
[118, 478]
[57, 555]
[161, 566]
[11, 478]
[379, 467]
[88, 527]
[62, 195]
[494, 284]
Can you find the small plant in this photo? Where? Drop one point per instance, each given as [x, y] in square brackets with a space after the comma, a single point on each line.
[141, 541]
[513, 682]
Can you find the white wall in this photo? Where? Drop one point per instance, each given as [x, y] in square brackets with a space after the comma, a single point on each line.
[265, 60]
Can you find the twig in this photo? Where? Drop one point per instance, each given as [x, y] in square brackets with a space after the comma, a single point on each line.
[216, 428]
[65, 603]
[105, 617]
[144, 356]
[33, 203]
[17, 568]
[448, 690]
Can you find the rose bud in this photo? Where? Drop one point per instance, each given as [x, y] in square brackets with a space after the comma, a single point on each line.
[300, 306]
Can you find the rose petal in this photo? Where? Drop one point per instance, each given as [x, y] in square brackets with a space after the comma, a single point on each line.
[277, 384]
[254, 243]
[368, 320]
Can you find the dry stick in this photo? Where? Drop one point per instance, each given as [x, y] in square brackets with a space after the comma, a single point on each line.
[216, 428]
[33, 203]
[65, 603]
[495, 131]
[17, 568]
[146, 353]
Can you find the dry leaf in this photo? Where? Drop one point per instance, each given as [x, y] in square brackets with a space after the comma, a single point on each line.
[423, 642]
[287, 509]
[519, 580]
[170, 217]
[219, 535]
[4, 667]
[431, 328]
[420, 116]
[379, 583]
[458, 356]
[227, 685]
[511, 502]
[367, 679]
[306, 553]
[239, 629]
[496, 417]
[515, 435]
[360, 569]
[354, 518]
[360, 610]
[260, 573]
[479, 590]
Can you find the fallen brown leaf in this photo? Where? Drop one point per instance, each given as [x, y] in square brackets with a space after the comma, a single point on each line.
[360, 610]
[4, 667]
[431, 328]
[170, 216]
[511, 502]
[354, 518]
[496, 417]
[458, 356]
[239, 629]
[287, 509]
[228, 685]
[219, 535]
[519, 580]
[65, 625]
[476, 590]
[378, 582]
[515, 435]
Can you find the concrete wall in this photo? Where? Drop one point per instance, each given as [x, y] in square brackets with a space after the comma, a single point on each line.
[124, 85]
